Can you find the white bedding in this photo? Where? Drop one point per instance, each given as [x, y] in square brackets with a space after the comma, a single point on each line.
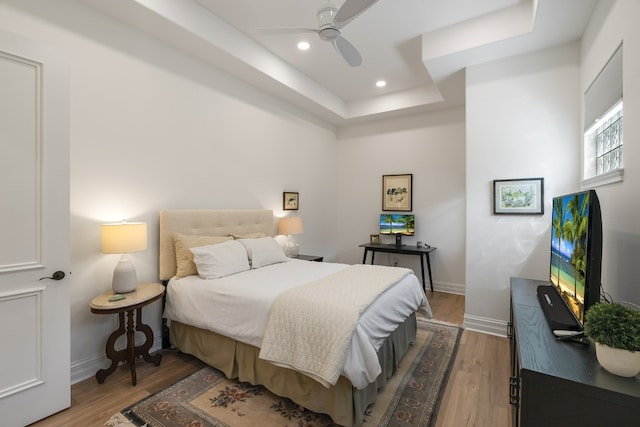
[238, 306]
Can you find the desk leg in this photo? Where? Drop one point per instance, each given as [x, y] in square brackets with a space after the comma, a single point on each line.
[424, 284]
[429, 268]
[112, 354]
[373, 255]
[364, 258]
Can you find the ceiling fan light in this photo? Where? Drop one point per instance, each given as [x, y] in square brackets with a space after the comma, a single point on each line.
[329, 34]
[303, 45]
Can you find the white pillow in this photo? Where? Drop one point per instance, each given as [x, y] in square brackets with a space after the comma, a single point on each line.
[221, 259]
[263, 251]
[184, 257]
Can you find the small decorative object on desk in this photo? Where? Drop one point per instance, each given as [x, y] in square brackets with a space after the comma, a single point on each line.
[374, 238]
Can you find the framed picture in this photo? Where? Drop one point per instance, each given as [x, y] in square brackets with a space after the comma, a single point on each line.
[290, 201]
[374, 238]
[524, 196]
[397, 192]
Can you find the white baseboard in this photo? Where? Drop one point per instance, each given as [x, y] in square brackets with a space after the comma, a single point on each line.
[485, 325]
[450, 288]
[87, 367]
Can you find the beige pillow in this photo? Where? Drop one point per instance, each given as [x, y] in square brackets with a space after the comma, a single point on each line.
[184, 258]
[254, 235]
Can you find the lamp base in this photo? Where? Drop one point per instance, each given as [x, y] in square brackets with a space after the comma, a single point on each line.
[125, 279]
[291, 248]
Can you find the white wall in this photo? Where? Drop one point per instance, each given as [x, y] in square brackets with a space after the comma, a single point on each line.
[152, 129]
[524, 119]
[431, 147]
[522, 122]
[612, 23]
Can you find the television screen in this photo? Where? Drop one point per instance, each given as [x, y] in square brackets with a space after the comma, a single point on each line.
[397, 224]
[576, 250]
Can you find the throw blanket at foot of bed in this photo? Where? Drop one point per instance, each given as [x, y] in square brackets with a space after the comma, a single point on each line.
[310, 326]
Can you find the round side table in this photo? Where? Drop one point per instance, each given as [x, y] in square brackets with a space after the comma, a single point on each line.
[145, 294]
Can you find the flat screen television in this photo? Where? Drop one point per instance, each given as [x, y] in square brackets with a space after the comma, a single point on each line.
[398, 225]
[576, 258]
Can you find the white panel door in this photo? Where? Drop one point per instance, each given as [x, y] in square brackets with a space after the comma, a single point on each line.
[34, 231]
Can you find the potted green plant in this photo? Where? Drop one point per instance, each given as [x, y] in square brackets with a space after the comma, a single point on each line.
[615, 329]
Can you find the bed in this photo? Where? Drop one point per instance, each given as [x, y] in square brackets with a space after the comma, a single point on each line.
[227, 320]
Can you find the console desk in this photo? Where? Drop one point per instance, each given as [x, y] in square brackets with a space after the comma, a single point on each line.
[557, 382]
[422, 252]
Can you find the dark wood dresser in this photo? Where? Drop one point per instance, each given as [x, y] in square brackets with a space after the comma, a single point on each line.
[560, 383]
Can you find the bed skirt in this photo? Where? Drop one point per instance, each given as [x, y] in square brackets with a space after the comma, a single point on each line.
[345, 404]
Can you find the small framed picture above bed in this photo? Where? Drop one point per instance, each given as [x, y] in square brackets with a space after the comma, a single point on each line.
[290, 201]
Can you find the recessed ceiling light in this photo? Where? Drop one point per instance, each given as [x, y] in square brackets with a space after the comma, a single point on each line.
[303, 45]
[381, 83]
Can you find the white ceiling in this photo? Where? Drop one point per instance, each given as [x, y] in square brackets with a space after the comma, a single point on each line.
[420, 47]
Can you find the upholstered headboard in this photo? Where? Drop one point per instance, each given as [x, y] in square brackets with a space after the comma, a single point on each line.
[211, 222]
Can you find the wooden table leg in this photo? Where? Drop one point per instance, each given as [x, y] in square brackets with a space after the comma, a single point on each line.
[131, 347]
[112, 354]
[143, 350]
[132, 352]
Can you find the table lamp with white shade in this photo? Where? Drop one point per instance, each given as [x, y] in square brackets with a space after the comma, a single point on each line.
[124, 238]
[290, 225]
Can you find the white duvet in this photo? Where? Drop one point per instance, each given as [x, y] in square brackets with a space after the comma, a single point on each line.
[238, 306]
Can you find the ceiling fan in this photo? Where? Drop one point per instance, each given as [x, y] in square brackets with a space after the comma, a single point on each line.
[331, 20]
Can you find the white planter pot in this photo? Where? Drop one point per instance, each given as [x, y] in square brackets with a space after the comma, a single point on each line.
[620, 362]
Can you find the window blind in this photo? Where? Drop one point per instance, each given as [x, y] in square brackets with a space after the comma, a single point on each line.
[605, 91]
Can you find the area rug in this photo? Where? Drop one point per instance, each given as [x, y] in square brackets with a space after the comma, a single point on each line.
[206, 398]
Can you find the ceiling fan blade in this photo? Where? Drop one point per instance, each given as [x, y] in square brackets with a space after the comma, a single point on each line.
[348, 51]
[349, 10]
[279, 31]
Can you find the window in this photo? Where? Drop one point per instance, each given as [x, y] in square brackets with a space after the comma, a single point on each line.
[605, 139]
[604, 120]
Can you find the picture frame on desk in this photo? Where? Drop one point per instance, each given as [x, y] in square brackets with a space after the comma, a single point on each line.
[397, 192]
[374, 238]
[522, 196]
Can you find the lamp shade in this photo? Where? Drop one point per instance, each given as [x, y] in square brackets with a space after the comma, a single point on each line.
[124, 237]
[290, 225]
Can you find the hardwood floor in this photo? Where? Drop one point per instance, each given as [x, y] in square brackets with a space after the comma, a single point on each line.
[92, 404]
[476, 393]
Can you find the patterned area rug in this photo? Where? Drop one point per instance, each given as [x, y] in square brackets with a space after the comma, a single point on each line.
[207, 398]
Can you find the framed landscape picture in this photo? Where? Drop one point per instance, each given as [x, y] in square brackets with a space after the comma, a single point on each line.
[290, 201]
[524, 196]
[397, 192]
